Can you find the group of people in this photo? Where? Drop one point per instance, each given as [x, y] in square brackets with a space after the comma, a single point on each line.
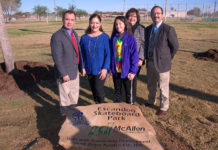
[120, 56]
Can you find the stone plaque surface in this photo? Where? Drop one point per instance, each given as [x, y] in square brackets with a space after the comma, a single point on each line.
[108, 126]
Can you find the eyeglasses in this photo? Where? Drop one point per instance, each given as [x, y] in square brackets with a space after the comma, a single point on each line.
[157, 13]
[132, 16]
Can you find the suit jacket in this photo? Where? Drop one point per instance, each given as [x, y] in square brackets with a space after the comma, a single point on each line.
[166, 45]
[64, 54]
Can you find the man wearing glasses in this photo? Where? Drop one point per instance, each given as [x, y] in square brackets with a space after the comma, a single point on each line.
[161, 45]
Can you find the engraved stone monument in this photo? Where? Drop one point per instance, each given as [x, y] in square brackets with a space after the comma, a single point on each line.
[108, 126]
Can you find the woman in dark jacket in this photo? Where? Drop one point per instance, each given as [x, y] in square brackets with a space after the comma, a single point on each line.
[138, 30]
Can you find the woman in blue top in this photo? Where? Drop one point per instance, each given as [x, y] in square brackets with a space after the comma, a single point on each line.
[96, 56]
[124, 59]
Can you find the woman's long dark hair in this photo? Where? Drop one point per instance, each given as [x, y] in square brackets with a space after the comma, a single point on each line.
[127, 29]
[88, 30]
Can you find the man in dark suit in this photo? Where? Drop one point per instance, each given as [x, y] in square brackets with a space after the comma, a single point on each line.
[161, 45]
[66, 54]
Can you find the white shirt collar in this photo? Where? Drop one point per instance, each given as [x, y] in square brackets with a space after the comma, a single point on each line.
[158, 25]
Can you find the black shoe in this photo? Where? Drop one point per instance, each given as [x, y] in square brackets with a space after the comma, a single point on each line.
[96, 102]
[147, 104]
[116, 101]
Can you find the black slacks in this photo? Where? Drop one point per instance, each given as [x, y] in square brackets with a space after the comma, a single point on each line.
[97, 87]
[123, 89]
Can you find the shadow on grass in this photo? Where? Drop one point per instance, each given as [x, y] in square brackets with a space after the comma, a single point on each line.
[185, 50]
[109, 92]
[187, 91]
[84, 83]
[49, 119]
[28, 30]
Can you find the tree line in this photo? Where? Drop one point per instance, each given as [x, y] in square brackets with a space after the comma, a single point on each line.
[11, 7]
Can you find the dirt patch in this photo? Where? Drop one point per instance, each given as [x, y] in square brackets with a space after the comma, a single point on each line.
[26, 77]
[211, 54]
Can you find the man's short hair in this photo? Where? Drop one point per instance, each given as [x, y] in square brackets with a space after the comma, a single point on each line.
[156, 7]
[68, 12]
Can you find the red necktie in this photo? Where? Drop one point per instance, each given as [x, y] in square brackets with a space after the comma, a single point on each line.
[75, 45]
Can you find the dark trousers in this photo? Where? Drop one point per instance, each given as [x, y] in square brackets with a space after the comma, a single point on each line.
[139, 69]
[97, 87]
[123, 89]
[134, 87]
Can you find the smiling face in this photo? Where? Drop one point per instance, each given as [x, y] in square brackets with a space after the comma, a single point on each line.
[157, 15]
[69, 21]
[95, 25]
[120, 26]
[132, 19]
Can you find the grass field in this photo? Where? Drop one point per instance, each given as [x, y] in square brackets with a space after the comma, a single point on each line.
[192, 120]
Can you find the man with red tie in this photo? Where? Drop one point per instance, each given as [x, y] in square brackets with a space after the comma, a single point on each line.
[66, 54]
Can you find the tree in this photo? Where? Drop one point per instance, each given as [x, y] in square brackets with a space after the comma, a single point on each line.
[172, 8]
[60, 11]
[19, 13]
[194, 12]
[6, 47]
[117, 13]
[72, 7]
[8, 7]
[40, 11]
[98, 12]
[142, 9]
[80, 13]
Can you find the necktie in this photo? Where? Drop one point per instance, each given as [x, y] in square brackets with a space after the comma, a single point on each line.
[75, 45]
[153, 35]
[151, 47]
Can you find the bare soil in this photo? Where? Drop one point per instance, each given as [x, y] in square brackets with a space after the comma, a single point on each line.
[26, 76]
[211, 54]
[29, 74]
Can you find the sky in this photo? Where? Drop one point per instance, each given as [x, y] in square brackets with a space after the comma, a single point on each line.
[118, 5]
